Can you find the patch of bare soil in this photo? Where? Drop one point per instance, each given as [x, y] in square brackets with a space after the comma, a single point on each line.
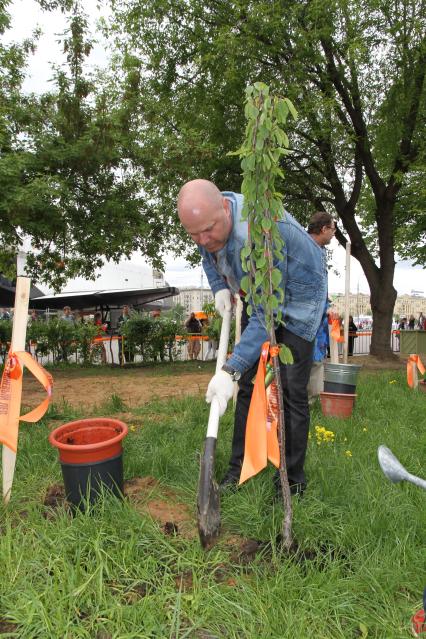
[6, 627]
[134, 387]
[55, 496]
[370, 363]
[147, 496]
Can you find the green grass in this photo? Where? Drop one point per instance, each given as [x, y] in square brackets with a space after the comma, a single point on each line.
[113, 573]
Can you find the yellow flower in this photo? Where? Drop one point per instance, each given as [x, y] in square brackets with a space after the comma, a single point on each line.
[364, 430]
[323, 435]
[392, 381]
[132, 428]
[348, 453]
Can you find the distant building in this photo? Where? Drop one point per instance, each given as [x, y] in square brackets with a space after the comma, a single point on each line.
[123, 275]
[359, 304]
[193, 298]
[407, 305]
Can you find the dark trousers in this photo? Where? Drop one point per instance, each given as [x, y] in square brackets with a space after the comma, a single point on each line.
[294, 379]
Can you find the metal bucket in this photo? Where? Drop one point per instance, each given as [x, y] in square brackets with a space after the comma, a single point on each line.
[341, 373]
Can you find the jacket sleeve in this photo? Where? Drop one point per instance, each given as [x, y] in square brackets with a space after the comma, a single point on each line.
[216, 281]
[247, 351]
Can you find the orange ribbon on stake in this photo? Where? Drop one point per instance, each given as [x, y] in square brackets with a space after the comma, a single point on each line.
[10, 396]
[261, 441]
[414, 359]
[335, 330]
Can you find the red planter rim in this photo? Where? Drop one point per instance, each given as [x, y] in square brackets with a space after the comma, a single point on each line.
[338, 395]
[106, 433]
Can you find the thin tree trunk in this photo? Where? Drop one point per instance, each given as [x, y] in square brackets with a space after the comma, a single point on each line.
[285, 488]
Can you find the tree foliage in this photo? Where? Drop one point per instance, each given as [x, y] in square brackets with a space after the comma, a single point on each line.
[356, 73]
[69, 180]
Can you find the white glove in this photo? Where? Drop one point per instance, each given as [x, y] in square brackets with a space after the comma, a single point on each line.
[222, 387]
[222, 301]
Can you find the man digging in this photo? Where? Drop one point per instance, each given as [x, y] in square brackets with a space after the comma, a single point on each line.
[213, 220]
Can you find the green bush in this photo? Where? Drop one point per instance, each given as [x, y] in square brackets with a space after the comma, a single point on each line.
[153, 338]
[83, 337]
[5, 336]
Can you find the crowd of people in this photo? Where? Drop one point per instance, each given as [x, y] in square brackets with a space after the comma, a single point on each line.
[412, 324]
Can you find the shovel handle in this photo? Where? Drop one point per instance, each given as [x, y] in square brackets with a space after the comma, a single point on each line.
[213, 424]
[223, 341]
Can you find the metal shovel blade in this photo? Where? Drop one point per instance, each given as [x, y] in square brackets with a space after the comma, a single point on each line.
[208, 502]
[394, 470]
[391, 467]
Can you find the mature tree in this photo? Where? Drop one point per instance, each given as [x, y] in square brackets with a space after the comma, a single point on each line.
[13, 109]
[356, 73]
[67, 180]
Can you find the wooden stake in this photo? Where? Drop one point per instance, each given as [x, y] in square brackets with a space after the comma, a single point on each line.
[415, 375]
[334, 348]
[19, 331]
[347, 291]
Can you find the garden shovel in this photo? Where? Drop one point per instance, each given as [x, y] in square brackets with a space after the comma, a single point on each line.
[394, 470]
[208, 502]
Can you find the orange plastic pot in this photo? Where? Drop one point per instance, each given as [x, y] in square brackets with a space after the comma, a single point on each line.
[337, 404]
[91, 457]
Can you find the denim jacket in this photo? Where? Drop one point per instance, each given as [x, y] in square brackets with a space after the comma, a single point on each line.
[304, 281]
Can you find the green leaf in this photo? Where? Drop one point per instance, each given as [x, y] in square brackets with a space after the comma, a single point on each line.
[251, 162]
[261, 87]
[260, 262]
[272, 302]
[286, 356]
[276, 278]
[245, 252]
[258, 278]
[266, 224]
[363, 630]
[291, 108]
[245, 283]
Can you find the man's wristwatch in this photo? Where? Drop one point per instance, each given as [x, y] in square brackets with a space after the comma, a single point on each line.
[235, 375]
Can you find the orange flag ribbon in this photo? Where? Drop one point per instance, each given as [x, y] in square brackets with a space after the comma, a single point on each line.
[414, 359]
[335, 330]
[261, 441]
[10, 396]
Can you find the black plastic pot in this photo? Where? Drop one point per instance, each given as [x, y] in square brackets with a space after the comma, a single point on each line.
[334, 387]
[85, 482]
[91, 457]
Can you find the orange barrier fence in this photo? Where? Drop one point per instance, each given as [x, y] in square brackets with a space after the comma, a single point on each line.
[361, 346]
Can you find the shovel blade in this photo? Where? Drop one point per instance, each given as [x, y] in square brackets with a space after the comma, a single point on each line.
[390, 465]
[208, 502]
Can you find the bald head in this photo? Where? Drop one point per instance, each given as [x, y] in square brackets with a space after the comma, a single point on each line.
[205, 214]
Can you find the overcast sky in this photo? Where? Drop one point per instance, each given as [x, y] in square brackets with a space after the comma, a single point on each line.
[27, 15]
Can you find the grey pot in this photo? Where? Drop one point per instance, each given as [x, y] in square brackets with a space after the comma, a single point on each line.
[341, 373]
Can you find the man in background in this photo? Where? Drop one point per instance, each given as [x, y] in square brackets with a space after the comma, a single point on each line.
[322, 229]
[67, 316]
[125, 352]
